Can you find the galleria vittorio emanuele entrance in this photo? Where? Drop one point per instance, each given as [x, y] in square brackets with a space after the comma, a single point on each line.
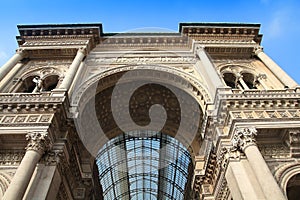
[202, 113]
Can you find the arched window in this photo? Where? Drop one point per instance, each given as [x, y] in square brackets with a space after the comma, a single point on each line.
[37, 84]
[27, 85]
[230, 79]
[249, 80]
[50, 82]
[293, 188]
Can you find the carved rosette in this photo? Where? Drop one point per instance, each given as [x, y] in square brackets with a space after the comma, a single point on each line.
[243, 137]
[38, 141]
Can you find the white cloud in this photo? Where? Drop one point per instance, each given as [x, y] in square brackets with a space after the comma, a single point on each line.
[279, 22]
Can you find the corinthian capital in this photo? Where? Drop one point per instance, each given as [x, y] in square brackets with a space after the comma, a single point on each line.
[243, 137]
[38, 141]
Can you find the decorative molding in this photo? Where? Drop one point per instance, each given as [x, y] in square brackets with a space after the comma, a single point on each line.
[274, 150]
[224, 191]
[38, 141]
[25, 119]
[141, 60]
[11, 158]
[185, 79]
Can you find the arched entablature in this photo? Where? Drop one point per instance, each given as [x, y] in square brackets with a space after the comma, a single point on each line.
[38, 80]
[284, 173]
[188, 83]
[93, 109]
[242, 76]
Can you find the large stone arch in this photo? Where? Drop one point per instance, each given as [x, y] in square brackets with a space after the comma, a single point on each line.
[104, 81]
[285, 173]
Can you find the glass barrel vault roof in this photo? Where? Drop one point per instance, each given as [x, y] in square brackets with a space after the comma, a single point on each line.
[143, 165]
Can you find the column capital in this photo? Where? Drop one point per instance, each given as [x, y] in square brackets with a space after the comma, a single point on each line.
[82, 50]
[243, 137]
[198, 48]
[258, 49]
[22, 52]
[38, 141]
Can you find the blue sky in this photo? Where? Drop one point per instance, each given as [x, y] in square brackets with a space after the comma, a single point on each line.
[279, 19]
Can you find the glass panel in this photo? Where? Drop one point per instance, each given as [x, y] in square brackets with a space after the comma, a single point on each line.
[143, 165]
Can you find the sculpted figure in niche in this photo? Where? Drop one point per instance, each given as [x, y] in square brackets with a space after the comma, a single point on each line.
[38, 84]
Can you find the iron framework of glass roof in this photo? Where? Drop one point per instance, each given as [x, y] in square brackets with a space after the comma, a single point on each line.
[143, 165]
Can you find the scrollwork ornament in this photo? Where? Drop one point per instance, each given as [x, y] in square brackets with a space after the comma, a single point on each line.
[38, 141]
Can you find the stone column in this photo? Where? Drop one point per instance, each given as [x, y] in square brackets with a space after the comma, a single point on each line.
[67, 81]
[241, 80]
[10, 75]
[244, 140]
[239, 175]
[19, 55]
[277, 71]
[38, 142]
[74, 82]
[208, 71]
[46, 178]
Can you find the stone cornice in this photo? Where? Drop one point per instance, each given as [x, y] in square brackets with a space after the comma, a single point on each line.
[221, 30]
[16, 102]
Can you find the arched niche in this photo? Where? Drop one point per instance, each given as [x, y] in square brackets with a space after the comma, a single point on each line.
[288, 177]
[27, 85]
[91, 101]
[250, 80]
[50, 82]
[230, 79]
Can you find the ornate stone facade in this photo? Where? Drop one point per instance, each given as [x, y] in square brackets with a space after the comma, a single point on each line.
[235, 109]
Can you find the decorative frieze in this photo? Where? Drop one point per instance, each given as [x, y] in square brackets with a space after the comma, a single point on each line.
[274, 150]
[262, 115]
[141, 60]
[25, 119]
[11, 158]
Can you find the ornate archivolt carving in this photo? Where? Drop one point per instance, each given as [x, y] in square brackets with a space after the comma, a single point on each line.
[197, 86]
[38, 141]
[285, 172]
[5, 179]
